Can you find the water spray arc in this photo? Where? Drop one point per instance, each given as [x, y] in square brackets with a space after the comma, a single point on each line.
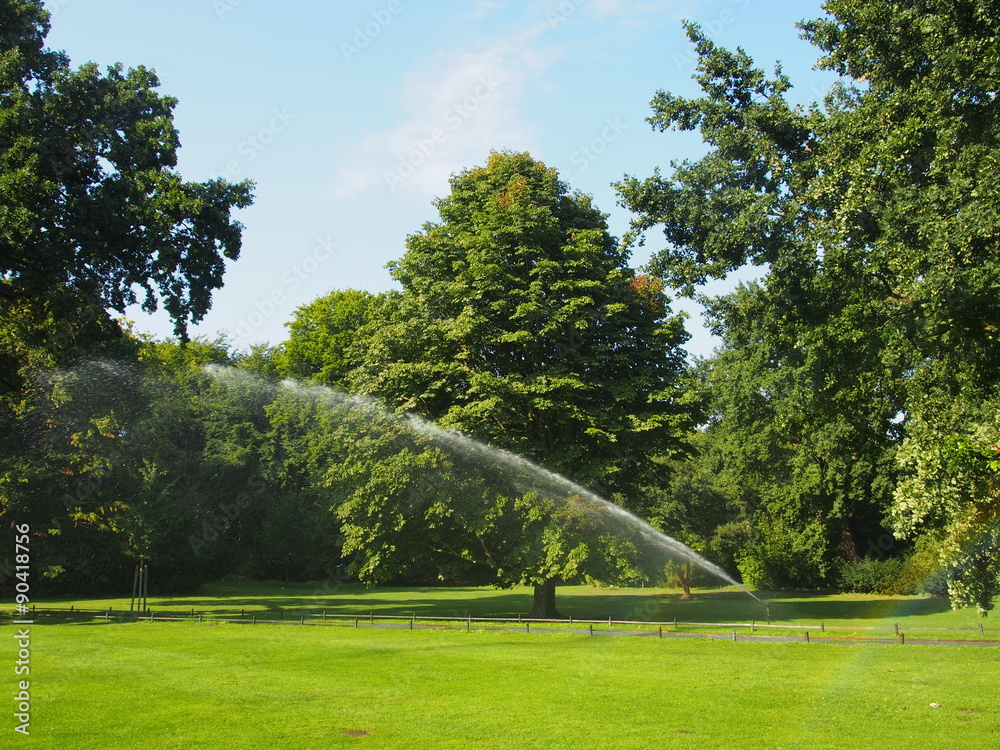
[509, 473]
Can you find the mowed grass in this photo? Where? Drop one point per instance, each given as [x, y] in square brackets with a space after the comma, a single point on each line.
[160, 686]
[916, 616]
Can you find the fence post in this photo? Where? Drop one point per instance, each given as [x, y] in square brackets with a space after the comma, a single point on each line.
[982, 633]
[822, 627]
[753, 626]
[897, 628]
[591, 628]
[807, 636]
[902, 639]
[355, 623]
[527, 627]
[302, 620]
[661, 631]
[254, 620]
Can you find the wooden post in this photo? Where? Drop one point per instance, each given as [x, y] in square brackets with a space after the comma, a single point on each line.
[609, 621]
[902, 639]
[675, 623]
[734, 635]
[807, 636]
[135, 586]
[661, 631]
[767, 609]
[302, 620]
[371, 616]
[527, 627]
[897, 628]
[468, 623]
[355, 623]
[982, 633]
[822, 627]
[591, 628]
[253, 621]
[753, 626]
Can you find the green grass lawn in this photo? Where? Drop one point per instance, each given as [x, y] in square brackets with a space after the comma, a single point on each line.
[160, 686]
[844, 616]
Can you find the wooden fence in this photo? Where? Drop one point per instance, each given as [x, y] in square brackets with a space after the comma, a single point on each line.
[743, 631]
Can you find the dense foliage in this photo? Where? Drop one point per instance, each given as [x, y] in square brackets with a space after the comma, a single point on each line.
[93, 214]
[845, 433]
[868, 354]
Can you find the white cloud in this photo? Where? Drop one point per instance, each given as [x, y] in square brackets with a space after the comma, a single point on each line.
[460, 105]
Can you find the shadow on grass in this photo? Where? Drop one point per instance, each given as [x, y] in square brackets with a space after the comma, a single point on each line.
[826, 607]
[268, 599]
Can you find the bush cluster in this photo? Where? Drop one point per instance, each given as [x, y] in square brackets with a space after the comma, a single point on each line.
[870, 576]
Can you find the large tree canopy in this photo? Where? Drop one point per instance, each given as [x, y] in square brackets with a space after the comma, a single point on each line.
[520, 324]
[877, 217]
[93, 215]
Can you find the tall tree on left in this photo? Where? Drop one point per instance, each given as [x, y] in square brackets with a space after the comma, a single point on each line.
[93, 215]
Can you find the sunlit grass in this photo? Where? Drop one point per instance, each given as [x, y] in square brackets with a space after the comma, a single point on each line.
[183, 685]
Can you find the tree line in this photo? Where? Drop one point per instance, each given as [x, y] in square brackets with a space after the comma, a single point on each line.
[844, 433]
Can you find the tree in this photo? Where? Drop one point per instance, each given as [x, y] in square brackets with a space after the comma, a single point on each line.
[876, 215]
[93, 214]
[323, 336]
[519, 324]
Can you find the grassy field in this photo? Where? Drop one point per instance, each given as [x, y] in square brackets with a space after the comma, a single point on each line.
[162, 685]
[845, 616]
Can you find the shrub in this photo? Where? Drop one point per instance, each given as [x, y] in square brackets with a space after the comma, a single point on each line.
[869, 576]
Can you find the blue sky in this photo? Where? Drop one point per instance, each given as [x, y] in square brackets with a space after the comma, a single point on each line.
[350, 116]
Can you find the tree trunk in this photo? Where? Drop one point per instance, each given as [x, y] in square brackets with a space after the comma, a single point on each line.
[684, 576]
[545, 602]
